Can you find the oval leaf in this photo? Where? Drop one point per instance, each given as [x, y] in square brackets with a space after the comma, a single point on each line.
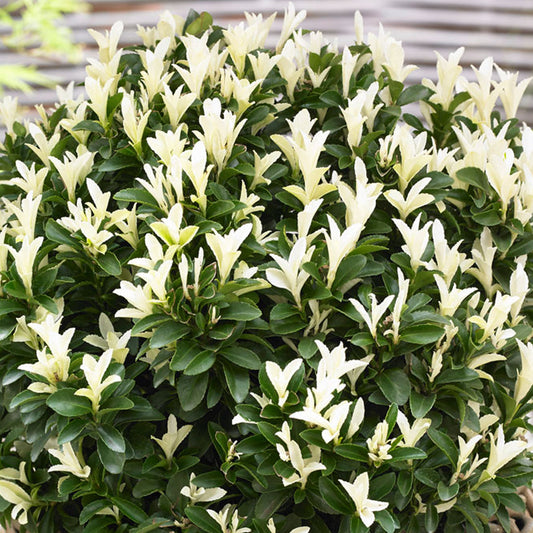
[66, 403]
[202, 362]
[112, 438]
[422, 334]
[167, 333]
[394, 385]
[242, 357]
[335, 497]
[130, 509]
[200, 517]
[191, 390]
[240, 311]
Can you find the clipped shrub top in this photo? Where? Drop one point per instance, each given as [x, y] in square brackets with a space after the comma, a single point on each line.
[246, 290]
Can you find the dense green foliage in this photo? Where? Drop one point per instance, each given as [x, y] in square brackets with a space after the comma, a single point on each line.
[247, 290]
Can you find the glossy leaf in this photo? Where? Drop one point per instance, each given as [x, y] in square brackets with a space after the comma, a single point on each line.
[66, 403]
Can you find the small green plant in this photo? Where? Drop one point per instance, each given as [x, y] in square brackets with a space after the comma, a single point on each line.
[34, 26]
[247, 290]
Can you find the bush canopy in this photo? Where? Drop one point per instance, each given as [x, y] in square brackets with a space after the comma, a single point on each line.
[253, 290]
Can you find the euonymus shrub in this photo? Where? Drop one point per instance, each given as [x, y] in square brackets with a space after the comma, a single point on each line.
[243, 290]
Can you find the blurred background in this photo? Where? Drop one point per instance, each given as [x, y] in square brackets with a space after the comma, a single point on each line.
[502, 29]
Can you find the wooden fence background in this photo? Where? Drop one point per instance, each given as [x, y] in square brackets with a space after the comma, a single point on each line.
[499, 28]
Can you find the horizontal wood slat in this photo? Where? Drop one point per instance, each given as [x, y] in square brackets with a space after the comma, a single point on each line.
[499, 28]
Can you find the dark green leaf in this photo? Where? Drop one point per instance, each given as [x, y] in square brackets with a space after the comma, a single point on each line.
[276, 171]
[139, 196]
[313, 436]
[99, 524]
[220, 208]
[283, 311]
[112, 438]
[288, 199]
[71, 431]
[395, 385]
[191, 390]
[391, 417]
[353, 452]
[456, 375]
[431, 520]
[11, 376]
[44, 279]
[473, 176]
[332, 99]
[240, 311]
[89, 125]
[348, 270]
[57, 233]
[421, 334]
[116, 404]
[118, 162]
[428, 477]
[91, 509]
[241, 356]
[469, 512]
[200, 518]
[7, 325]
[420, 404]
[197, 27]
[458, 99]
[355, 524]
[26, 396]
[523, 245]
[362, 339]
[287, 326]
[338, 150]
[16, 289]
[185, 352]
[268, 431]
[152, 524]
[513, 501]
[167, 333]
[307, 347]
[201, 362]
[445, 443]
[269, 503]
[145, 487]
[387, 521]
[113, 102]
[129, 509]
[446, 491]
[487, 217]
[257, 114]
[405, 482]
[109, 263]
[48, 303]
[439, 180]
[148, 322]
[66, 403]
[238, 381]
[414, 93]
[407, 454]
[69, 485]
[335, 497]
[112, 461]
[413, 121]
[10, 306]
[222, 331]
[380, 486]
[209, 480]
